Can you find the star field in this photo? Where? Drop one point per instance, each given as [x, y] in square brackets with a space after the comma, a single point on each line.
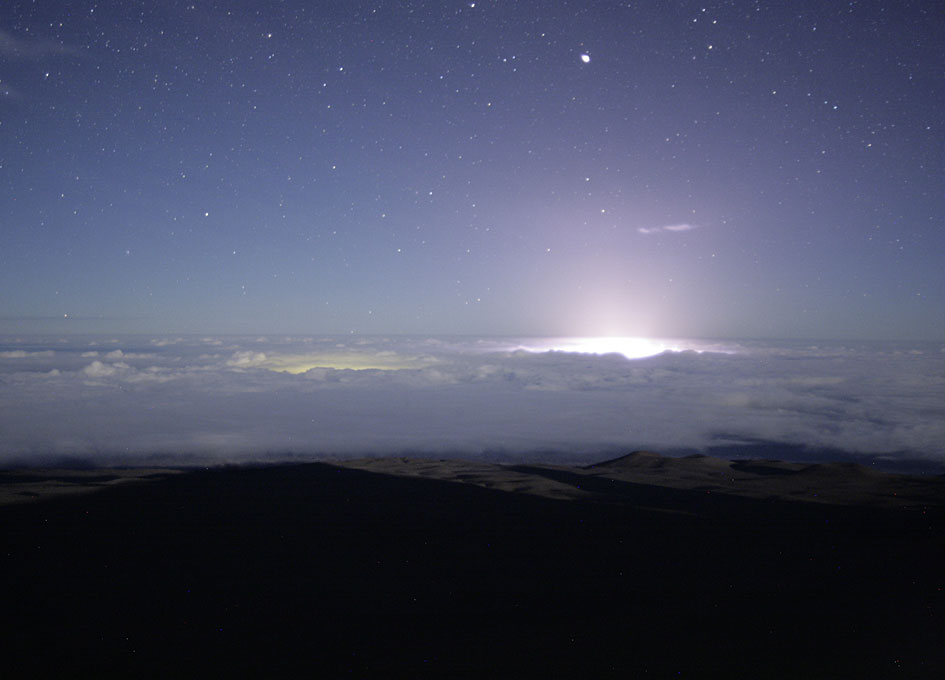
[727, 169]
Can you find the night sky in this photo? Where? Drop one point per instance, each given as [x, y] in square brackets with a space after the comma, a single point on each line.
[736, 169]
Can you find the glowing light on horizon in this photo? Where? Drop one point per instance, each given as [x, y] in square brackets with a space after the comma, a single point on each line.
[631, 348]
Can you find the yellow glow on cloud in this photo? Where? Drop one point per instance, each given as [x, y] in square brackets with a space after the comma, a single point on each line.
[355, 361]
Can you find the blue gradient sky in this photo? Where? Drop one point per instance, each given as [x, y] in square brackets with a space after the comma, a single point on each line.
[737, 169]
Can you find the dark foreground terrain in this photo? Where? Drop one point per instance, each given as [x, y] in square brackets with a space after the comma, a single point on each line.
[265, 571]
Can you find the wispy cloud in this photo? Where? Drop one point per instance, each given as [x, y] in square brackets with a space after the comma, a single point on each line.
[669, 227]
[8, 91]
[16, 47]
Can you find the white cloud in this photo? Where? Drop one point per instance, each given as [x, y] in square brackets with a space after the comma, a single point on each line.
[22, 354]
[477, 397]
[246, 359]
[99, 370]
[668, 227]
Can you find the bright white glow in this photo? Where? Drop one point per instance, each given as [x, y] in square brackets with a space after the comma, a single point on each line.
[632, 348]
[586, 58]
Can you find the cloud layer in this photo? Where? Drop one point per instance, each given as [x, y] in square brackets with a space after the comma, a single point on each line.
[193, 400]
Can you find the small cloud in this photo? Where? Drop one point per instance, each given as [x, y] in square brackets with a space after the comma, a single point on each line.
[6, 90]
[99, 370]
[15, 47]
[685, 226]
[246, 359]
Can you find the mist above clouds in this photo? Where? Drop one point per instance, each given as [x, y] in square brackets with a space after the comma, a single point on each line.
[214, 400]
